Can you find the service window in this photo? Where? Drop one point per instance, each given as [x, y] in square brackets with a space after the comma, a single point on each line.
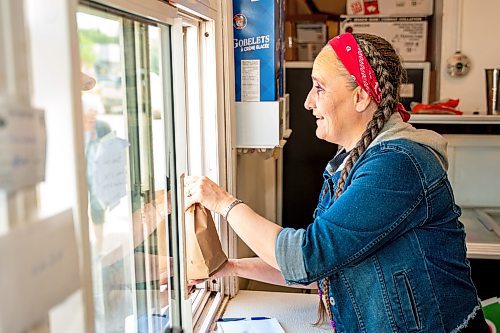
[126, 129]
[203, 143]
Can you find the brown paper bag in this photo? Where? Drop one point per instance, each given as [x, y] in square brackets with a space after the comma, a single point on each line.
[203, 248]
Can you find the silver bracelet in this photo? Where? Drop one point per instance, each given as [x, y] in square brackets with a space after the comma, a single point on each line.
[226, 210]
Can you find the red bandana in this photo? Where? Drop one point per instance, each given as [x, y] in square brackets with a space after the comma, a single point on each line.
[351, 56]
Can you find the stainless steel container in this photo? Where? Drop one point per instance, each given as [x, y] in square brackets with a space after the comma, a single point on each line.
[493, 91]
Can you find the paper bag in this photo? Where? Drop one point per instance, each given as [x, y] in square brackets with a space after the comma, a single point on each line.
[203, 249]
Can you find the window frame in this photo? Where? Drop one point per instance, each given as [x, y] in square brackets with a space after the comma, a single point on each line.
[222, 29]
[202, 135]
[215, 16]
[215, 37]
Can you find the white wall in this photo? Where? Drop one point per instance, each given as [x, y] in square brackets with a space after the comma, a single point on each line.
[480, 42]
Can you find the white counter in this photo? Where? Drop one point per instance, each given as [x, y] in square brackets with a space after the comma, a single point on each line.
[295, 312]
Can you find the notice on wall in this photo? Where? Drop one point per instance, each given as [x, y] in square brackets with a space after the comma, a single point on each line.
[250, 80]
[408, 35]
[40, 269]
[23, 147]
[109, 178]
[407, 90]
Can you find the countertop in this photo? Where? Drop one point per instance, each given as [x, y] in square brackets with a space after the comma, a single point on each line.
[295, 312]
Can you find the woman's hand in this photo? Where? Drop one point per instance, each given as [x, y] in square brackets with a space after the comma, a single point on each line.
[204, 191]
[228, 269]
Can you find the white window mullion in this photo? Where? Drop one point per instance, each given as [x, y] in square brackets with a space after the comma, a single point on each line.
[209, 99]
[226, 132]
[180, 125]
[196, 143]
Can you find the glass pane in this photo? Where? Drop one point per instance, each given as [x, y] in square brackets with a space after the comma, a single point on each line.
[124, 126]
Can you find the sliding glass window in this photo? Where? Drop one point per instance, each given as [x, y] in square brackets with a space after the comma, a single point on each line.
[126, 134]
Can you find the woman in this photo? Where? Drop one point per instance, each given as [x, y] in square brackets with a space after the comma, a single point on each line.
[386, 248]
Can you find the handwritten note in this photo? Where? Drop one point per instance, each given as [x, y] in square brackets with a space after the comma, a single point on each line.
[110, 173]
[22, 147]
[39, 269]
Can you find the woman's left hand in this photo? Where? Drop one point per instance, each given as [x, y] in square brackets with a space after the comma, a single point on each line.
[204, 191]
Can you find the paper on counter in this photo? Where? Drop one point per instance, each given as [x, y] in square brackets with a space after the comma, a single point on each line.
[39, 269]
[110, 170]
[251, 326]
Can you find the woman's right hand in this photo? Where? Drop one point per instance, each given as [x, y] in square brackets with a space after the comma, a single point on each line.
[228, 269]
[204, 191]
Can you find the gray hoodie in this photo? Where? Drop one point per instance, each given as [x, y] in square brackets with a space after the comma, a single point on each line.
[396, 128]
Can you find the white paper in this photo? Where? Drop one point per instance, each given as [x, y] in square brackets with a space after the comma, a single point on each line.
[110, 173]
[250, 80]
[251, 326]
[407, 90]
[39, 269]
[22, 147]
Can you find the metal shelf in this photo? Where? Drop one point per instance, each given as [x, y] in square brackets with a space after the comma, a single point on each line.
[482, 243]
[452, 119]
[483, 251]
[298, 64]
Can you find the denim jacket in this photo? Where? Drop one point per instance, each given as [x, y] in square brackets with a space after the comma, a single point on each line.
[391, 245]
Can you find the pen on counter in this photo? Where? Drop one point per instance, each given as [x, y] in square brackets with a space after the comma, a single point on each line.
[242, 318]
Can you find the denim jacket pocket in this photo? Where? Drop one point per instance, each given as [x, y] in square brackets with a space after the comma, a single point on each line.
[407, 304]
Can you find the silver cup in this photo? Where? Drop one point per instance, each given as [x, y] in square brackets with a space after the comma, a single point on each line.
[493, 91]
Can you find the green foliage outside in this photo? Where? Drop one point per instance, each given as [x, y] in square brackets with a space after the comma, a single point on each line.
[90, 37]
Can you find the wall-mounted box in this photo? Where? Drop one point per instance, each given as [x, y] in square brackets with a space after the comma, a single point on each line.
[260, 124]
[257, 49]
[408, 35]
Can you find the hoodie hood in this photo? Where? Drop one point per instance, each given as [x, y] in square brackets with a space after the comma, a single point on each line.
[396, 128]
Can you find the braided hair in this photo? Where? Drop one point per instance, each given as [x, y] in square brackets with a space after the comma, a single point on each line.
[389, 72]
